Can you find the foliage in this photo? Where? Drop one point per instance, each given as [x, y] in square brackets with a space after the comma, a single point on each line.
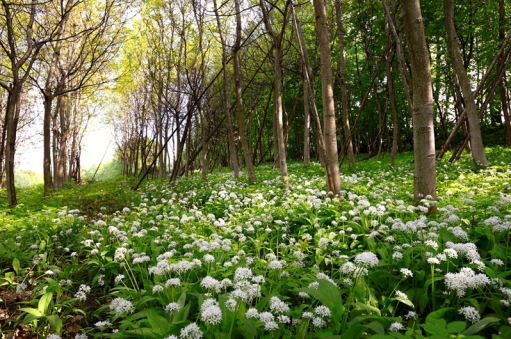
[227, 259]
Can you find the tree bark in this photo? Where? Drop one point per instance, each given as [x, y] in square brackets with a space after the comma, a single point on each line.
[504, 100]
[239, 98]
[277, 98]
[233, 157]
[422, 117]
[306, 121]
[329, 127]
[344, 91]
[476, 139]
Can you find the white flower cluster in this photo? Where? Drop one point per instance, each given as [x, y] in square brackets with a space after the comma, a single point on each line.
[120, 306]
[83, 290]
[466, 278]
[211, 313]
[470, 313]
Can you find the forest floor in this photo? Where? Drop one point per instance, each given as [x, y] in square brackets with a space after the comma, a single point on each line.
[225, 259]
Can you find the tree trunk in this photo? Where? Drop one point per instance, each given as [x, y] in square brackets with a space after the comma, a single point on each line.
[476, 139]
[307, 76]
[422, 117]
[204, 140]
[344, 91]
[504, 100]
[277, 98]
[307, 122]
[333, 179]
[12, 117]
[233, 157]
[393, 109]
[239, 98]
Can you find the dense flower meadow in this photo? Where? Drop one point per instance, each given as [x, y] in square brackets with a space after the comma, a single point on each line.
[223, 259]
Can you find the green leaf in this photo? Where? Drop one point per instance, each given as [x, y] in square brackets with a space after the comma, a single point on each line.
[436, 327]
[158, 322]
[354, 332]
[32, 311]
[376, 327]
[438, 314]
[327, 293]
[456, 327]
[16, 265]
[480, 325]
[249, 329]
[367, 307]
[55, 323]
[44, 302]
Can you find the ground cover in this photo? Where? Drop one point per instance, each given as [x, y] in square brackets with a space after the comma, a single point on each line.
[224, 259]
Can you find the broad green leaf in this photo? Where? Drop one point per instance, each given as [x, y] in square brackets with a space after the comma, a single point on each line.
[367, 307]
[376, 327]
[16, 265]
[32, 311]
[353, 332]
[158, 322]
[327, 293]
[405, 301]
[456, 327]
[249, 329]
[481, 324]
[438, 313]
[55, 323]
[44, 302]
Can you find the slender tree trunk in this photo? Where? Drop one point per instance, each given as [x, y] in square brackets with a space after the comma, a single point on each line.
[329, 127]
[307, 76]
[504, 100]
[277, 98]
[307, 122]
[422, 117]
[12, 117]
[233, 156]
[239, 98]
[476, 139]
[393, 109]
[3, 146]
[344, 91]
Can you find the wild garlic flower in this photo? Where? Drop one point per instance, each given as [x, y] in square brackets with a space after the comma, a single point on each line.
[278, 306]
[470, 313]
[318, 322]
[173, 306]
[395, 326]
[83, 290]
[211, 313]
[191, 331]
[322, 311]
[210, 283]
[252, 313]
[120, 306]
[466, 278]
[173, 282]
[406, 272]
[367, 259]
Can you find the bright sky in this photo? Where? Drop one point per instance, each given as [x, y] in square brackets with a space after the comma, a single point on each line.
[94, 146]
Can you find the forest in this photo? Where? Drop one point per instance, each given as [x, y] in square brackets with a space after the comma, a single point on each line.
[277, 160]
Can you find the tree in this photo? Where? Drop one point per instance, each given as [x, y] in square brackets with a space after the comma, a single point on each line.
[422, 117]
[226, 100]
[21, 38]
[476, 139]
[277, 40]
[333, 177]
[344, 90]
[239, 97]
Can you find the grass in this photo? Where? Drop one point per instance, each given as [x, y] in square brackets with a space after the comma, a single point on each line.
[232, 260]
